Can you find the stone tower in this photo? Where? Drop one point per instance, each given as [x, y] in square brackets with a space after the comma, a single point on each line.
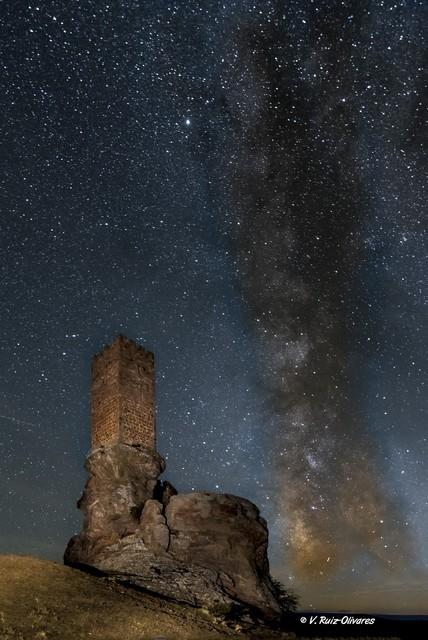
[123, 395]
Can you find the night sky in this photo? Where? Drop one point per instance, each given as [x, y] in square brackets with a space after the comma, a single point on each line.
[239, 186]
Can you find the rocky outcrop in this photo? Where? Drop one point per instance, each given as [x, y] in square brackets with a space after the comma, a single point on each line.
[206, 549]
[121, 479]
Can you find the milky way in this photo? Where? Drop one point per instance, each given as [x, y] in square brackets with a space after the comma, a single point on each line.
[326, 145]
[316, 163]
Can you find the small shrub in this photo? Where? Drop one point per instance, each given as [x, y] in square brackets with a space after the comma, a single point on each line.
[288, 600]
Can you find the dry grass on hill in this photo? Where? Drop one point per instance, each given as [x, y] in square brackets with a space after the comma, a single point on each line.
[41, 600]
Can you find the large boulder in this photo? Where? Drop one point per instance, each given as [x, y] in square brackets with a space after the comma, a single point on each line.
[207, 549]
[224, 533]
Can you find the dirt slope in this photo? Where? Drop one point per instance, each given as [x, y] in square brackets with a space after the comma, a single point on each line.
[41, 600]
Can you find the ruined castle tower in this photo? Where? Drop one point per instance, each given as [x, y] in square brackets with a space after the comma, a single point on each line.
[206, 549]
[123, 395]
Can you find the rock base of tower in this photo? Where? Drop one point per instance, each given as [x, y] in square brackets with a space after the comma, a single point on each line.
[206, 549]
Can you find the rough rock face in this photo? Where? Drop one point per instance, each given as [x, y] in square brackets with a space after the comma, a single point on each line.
[121, 479]
[203, 548]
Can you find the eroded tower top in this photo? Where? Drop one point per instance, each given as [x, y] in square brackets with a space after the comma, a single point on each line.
[123, 395]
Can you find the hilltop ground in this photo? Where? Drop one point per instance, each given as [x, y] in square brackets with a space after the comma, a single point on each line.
[41, 600]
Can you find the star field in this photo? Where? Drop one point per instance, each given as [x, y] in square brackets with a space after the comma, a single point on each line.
[240, 186]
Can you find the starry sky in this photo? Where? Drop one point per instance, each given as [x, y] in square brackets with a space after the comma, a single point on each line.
[239, 186]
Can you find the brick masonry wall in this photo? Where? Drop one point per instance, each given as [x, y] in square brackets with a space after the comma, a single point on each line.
[123, 395]
[105, 400]
[137, 393]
